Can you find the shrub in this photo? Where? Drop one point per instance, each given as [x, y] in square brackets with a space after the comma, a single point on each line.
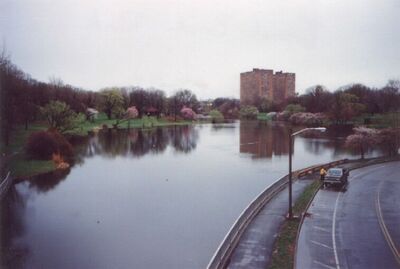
[294, 108]
[282, 116]
[42, 145]
[216, 116]
[309, 119]
[64, 148]
[249, 112]
[60, 116]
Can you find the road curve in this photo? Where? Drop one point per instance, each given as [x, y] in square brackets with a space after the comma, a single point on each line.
[358, 227]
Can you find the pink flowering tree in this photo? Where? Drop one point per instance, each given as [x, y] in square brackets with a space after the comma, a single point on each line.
[362, 139]
[121, 116]
[188, 113]
[132, 112]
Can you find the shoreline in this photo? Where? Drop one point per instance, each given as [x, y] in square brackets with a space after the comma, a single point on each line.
[23, 168]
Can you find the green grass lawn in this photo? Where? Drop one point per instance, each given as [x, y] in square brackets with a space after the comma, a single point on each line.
[21, 166]
[144, 122]
[263, 116]
[18, 137]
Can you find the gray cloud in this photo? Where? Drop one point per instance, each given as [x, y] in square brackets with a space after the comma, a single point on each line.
[203, 45]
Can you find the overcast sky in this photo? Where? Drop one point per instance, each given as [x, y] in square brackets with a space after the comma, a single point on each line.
[203, 45]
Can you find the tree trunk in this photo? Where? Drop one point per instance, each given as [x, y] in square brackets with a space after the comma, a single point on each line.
[6, 136]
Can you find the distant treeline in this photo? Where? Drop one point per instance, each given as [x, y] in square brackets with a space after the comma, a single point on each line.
[351, 100]
[22, 96]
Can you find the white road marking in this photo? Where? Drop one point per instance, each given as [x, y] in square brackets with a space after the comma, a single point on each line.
[321, 229]
[368, 172]
[324, 265]
[320, 244]
[382, 224]
[334, 232]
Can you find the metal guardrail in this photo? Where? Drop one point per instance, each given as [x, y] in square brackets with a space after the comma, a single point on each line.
[222, 255]
[228, 244]
[5, 185]
[316, 168]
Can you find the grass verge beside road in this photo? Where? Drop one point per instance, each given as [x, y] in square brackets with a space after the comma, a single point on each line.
[284, 246]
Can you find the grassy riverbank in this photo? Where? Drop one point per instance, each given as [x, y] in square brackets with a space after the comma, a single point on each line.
[144, 122]
[284, 247]
[15, 158]
[21, 165]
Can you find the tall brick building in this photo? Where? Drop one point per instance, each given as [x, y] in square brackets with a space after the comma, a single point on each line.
[264, 83]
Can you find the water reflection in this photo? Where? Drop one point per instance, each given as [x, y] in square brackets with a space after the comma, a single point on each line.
[263, 139]
[318, 145]
[183, 139]
[142, 212]
[137, 142]
[46, 182]
[13, 253]
[268, 139]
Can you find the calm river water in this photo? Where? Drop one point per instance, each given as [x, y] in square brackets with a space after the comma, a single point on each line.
[160, 198]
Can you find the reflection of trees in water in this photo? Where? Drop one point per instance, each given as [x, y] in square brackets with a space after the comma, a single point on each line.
[48, 181]
[184, 139]
[318, 146]
[224, 126]
[147, 141]
[334, 145]
[138, 142]
[334, 141]
[13, 254]
[113, 142]
[263, 139]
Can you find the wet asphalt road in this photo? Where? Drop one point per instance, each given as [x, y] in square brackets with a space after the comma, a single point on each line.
[356, 227]
[255, 247]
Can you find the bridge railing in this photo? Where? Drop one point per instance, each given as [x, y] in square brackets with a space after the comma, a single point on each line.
[5, 185]
[222, 256]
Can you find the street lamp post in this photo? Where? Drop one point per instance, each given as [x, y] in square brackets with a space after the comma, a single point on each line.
[291, 138]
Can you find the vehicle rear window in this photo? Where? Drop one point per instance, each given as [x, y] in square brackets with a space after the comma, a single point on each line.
[335, 172]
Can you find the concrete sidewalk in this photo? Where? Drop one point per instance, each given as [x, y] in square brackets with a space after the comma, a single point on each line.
[254, 249]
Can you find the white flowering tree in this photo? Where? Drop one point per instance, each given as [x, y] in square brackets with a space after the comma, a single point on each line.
[363, 139]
